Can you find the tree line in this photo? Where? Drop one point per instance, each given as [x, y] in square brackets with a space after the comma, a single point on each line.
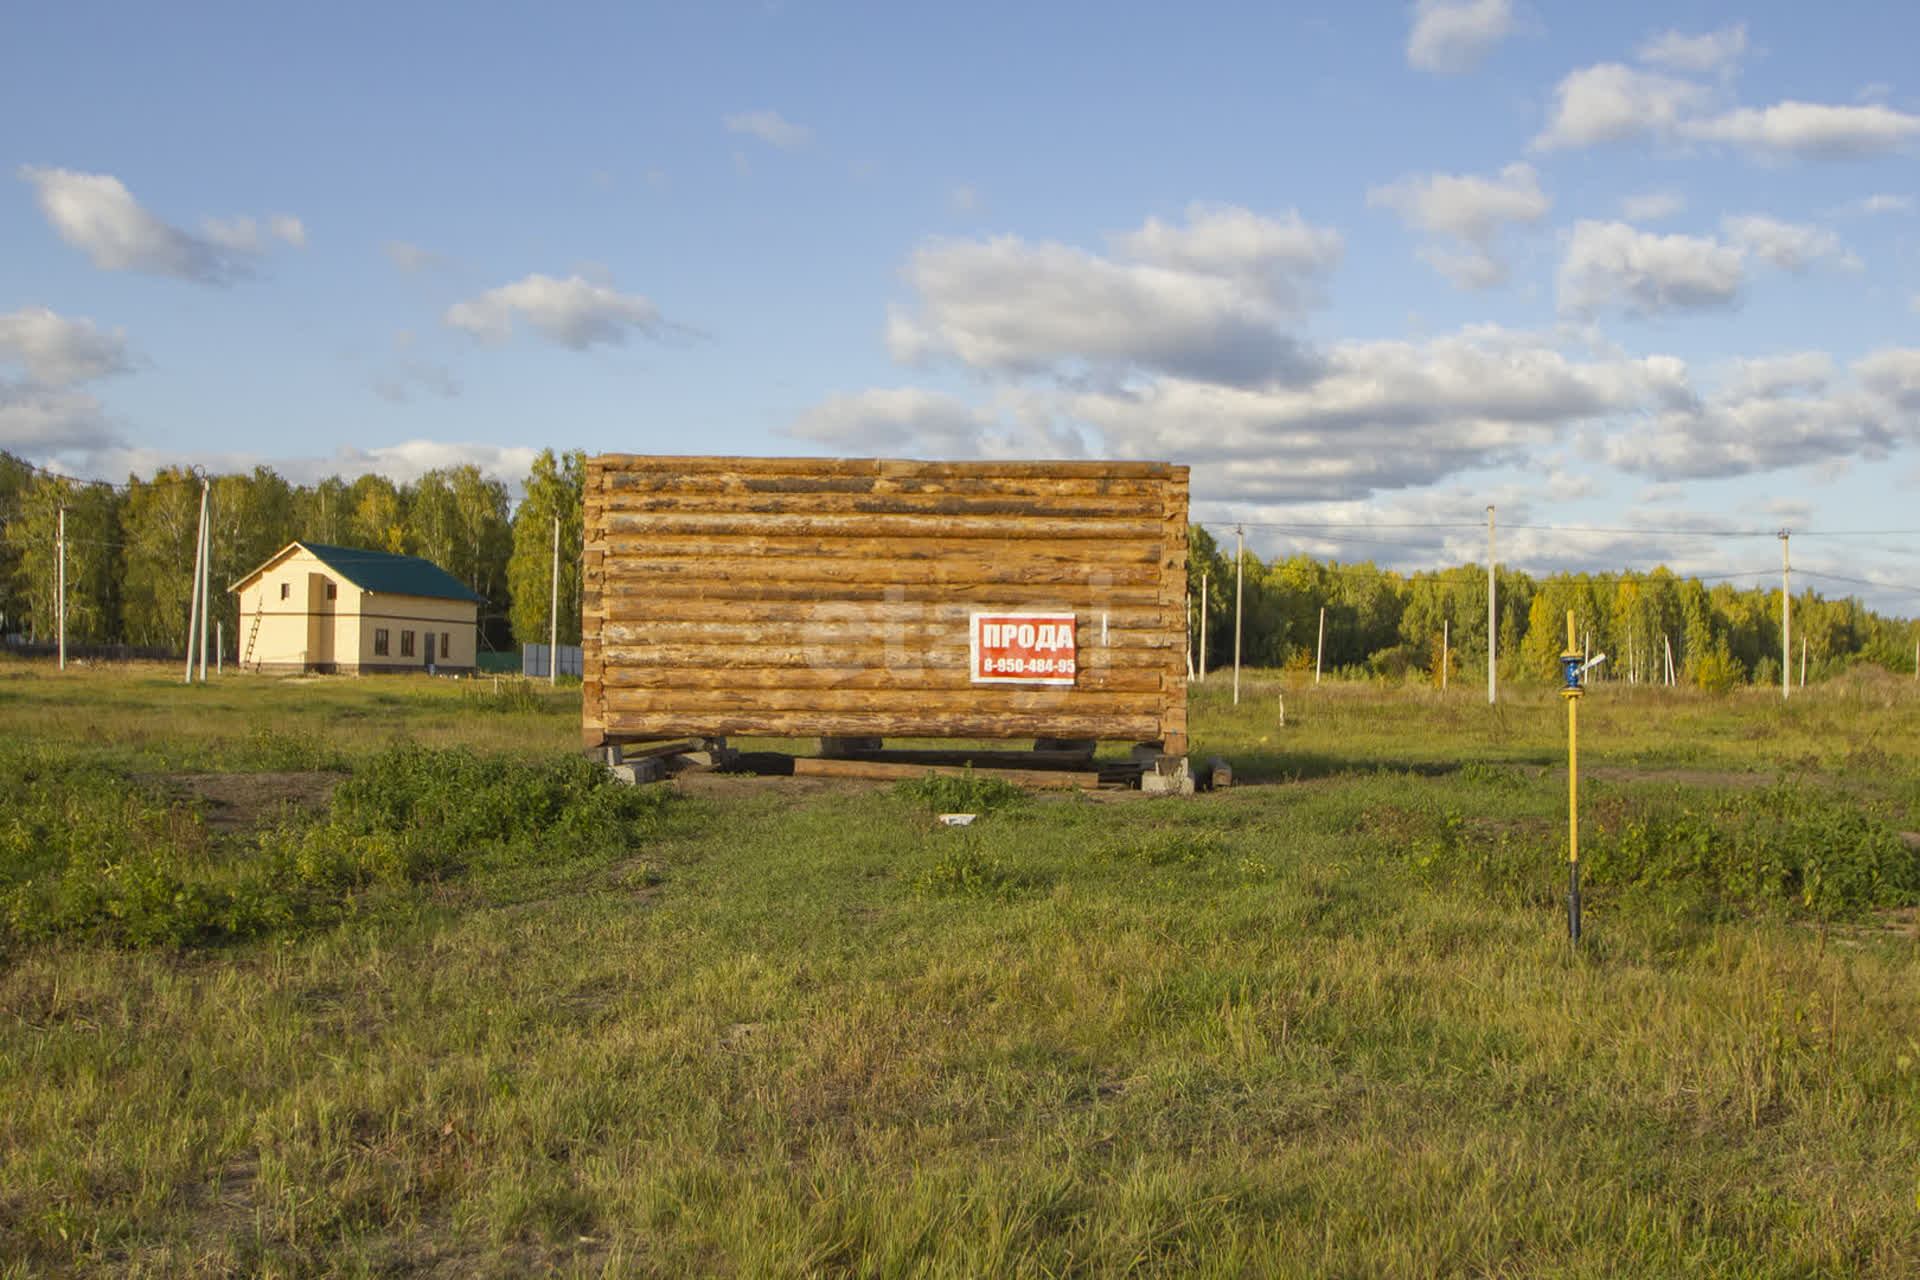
[129, 547]
[129, 571]
[1383, 623]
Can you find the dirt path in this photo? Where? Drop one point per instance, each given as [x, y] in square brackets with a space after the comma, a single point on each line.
[235, 802]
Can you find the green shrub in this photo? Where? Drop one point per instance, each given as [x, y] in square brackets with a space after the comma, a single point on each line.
[1172, 846]
[1787, 847]
[271, 749]
[512, 695]
[965, 872]
[84, 853]
[959, 793]
[1718, 671]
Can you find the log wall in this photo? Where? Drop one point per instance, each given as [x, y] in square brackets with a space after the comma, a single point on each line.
[806, 597]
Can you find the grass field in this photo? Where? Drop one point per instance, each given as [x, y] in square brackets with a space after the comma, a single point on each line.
[374, 977]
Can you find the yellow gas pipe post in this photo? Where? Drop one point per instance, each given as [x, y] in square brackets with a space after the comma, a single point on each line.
[1571, 669]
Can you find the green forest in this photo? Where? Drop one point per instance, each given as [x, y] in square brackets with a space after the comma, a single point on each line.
[130, 554]
[130, 547]
[1380, 623]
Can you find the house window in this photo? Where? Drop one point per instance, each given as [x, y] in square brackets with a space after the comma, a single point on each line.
[332, 591]
[446, 645]
[286, 589]
[379, 642]
[406, 644]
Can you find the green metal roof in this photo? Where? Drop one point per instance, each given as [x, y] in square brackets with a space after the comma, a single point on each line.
[390, 575]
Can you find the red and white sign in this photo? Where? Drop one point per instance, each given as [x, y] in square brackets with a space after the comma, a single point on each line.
[1022, 648]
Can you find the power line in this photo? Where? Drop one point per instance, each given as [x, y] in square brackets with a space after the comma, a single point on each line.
[1864, 582]
[1648, 530]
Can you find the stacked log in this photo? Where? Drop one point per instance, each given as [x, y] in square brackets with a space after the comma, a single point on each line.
[802, 597]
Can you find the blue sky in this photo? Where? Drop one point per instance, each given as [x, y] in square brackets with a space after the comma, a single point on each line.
[1642, 268]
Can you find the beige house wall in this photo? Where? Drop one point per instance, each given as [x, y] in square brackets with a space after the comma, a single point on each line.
[455, 620]
[306, 631]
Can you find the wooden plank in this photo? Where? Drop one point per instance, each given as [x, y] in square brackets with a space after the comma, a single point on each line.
[720, 657]
[997, 528]
[981, 699]
[976, 757]
[799, 483]
[1005, 506]
[1004, 595]
[841, 626]
[976, 571]
[801, 546]
[882, 612]
[848, 724]
[623, 676]
[617, 465]
[1040, 779]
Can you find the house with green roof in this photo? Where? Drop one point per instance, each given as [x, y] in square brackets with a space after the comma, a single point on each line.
[318, 608]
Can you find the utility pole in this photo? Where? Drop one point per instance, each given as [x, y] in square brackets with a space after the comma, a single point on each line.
[206, 571]
[1239, 594]
[1493, 626]
[1187, 617]
[1320, 645]
[196, 610]
[1204, 598]
[193, 603]
[553, 613]
[60, 588]
[1786, 623]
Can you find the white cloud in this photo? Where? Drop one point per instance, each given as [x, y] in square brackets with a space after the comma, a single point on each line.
[1470, 209]
[1799, 372]
[770, 128]
[1449, 37]
[1809, 129]
[288, 229]
[236, 235]
[58, 352]
[572, 312]
[1615, 103]
[45, 409]
[1384, 415]
[95, 212]
[1716, 52]
[1786, 245]
[1885, 204]
[408, 377]
[1284, 257]
[893, 421]
[1785, 412]
[1652, 206]
[1610, 264]
[1209, 300]
[58, 419]
[411, 257]
[1893, 374]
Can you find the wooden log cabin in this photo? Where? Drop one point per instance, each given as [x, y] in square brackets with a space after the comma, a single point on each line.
[872, 599]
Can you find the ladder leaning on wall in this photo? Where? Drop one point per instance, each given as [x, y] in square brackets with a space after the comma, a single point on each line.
[253, 632]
